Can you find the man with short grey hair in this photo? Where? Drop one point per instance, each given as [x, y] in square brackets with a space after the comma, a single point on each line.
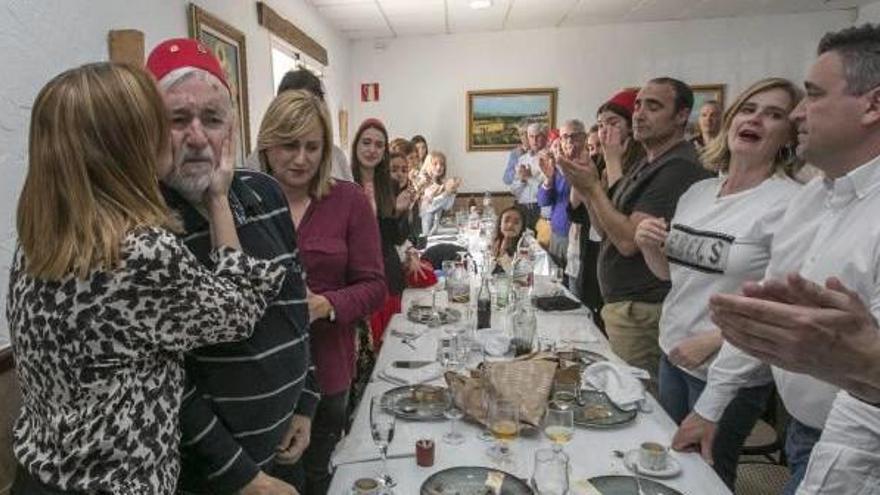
[555, 189]
[528, 176]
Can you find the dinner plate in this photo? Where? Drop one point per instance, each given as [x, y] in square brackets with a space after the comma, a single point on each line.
[595, 410]
[418, 402]
[626, 485]
[422, 314]
[472, 480]
[673, 468]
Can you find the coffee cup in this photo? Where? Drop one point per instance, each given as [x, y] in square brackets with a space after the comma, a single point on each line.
[366, 486]
[653, 456]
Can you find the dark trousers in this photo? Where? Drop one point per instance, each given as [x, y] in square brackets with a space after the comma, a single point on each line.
[327, 426]
[531, 213]
[25, 484]
[679, 392]
[799, 442]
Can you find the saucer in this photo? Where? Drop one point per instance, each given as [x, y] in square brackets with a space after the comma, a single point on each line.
[673, 468]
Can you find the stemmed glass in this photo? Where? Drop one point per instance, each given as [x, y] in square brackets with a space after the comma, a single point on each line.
[382, 427]
[551, 472]
[559, 426]
[453, 413]
[504, 425]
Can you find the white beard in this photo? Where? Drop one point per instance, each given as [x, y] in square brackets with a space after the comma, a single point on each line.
[190, 185]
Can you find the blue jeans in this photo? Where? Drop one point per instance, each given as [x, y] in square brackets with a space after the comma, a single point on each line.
[799, 442]
[679, 392]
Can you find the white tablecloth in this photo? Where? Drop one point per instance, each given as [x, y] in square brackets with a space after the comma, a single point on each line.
[590, 450]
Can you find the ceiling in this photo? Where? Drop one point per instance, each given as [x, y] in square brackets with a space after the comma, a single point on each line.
[369, 19]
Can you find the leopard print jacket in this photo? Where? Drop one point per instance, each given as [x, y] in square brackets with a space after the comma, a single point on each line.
[100, 360]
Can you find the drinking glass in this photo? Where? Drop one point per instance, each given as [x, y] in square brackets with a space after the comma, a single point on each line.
[504, 425]
[559, 426]
[565, 394]
[453, 413]
[550, 472]
[382, 427]
[502, 289]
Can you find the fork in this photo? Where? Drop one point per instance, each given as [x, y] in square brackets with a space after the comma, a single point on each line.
[634, 467]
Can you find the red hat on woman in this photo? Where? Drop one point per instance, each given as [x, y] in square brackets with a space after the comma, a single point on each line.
[178, 53]
[622, 103]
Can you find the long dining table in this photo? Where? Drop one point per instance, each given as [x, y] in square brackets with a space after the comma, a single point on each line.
[592, 452]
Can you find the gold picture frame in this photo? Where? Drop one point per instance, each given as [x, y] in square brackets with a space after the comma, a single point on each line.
[228, 45]
[492, 115]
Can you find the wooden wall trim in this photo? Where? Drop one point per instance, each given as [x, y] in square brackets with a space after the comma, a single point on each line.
[287, 31]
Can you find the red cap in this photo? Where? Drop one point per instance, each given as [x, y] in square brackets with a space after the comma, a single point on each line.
[624, 100]
[553, 135]
[183, 52]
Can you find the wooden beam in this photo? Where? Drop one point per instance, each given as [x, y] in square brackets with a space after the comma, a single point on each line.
[285, 30]
[126, 46]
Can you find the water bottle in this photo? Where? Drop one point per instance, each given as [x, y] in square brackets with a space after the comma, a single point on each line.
[525, 324]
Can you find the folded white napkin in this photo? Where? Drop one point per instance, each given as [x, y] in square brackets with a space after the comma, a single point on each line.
[495, 342]
[413, 376]
[619, 382]
[358, 446]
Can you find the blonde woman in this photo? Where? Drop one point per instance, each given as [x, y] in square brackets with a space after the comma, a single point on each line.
[719, 238]
[439, 195]
[338, 238]
[103, 299]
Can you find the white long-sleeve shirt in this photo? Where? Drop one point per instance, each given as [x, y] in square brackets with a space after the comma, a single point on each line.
[847, 458]
[715, 244]
[526, 191]
[830, 229]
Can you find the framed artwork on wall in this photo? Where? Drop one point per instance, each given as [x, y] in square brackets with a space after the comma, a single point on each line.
[492, 115]
[228, 45]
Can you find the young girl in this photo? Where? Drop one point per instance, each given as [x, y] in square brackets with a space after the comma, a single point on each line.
[507, 234]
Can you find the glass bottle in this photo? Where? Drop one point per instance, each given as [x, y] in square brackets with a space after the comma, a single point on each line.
[484, 304]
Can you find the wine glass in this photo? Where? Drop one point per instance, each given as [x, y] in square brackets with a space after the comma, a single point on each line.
[559, 426]
[453, 413]
[504, 425]
[382, 427]
[550, 475]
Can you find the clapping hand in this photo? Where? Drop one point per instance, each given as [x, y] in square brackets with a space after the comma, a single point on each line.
[651, 234]
[580, 172]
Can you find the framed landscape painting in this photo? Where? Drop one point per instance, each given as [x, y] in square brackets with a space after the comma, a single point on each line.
[492, 116]
[227, 44]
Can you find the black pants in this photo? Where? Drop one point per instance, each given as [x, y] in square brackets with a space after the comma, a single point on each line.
[25, 484]
[327, 427]
[531, 213]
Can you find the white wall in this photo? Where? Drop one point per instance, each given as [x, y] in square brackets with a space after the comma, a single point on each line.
[40, 39]
[424, 80]
[869, 13]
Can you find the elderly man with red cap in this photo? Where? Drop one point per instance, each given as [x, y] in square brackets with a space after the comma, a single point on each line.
[247, 405]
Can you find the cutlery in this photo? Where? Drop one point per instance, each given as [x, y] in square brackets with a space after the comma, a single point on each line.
[410, 364]
[635, 468]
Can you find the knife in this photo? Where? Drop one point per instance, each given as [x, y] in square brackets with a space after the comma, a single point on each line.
[410, 364]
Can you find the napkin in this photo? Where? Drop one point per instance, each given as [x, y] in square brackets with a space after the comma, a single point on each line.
[618, 382]
[413, 376]
[495, 342]
[555, 303]
[358, 445]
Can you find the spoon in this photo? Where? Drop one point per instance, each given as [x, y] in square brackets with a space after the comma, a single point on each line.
[634, 467]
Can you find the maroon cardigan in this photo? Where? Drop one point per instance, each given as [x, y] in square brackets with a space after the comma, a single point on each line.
[338, 241]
